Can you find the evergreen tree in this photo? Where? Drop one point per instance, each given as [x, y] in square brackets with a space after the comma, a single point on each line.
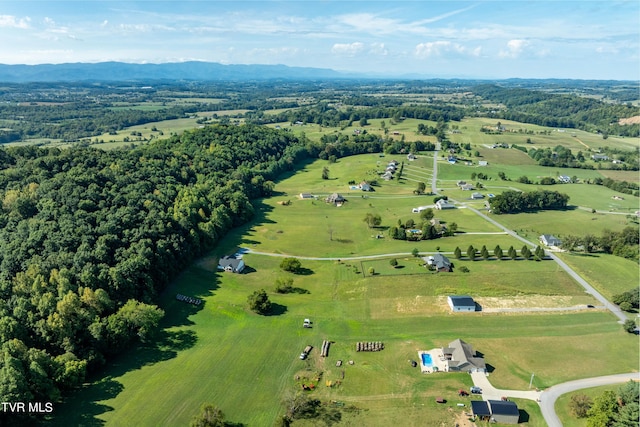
[512, 253]
[471, 253]
[457, 253]
[484, 253]
[497, 251]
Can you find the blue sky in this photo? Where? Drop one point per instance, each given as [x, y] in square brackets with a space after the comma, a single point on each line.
[484, 39]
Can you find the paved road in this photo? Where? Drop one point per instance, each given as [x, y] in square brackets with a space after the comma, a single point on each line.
[588, 288]
[549, 396]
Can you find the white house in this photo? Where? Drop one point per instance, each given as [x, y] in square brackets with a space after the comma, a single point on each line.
[550, 240]
[461, 303]
[444, 204]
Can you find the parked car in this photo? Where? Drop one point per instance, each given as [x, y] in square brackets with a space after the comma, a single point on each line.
[476, 390]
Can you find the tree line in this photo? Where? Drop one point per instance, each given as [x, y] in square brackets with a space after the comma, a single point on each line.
[515, 201]
[89, 238]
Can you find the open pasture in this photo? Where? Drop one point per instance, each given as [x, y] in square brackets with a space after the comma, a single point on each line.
[247, 364]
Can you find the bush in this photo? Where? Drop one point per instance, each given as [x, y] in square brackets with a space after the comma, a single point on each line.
[284, 286]
[464, 269]
[292, 265]
[259, 302]
[580, 404]
[393, 262]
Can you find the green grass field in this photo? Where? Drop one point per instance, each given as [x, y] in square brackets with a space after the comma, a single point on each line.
[248, 364]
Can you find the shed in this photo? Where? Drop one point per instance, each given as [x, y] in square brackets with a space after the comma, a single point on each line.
[480, 409]
[461, 303]
[504, 411]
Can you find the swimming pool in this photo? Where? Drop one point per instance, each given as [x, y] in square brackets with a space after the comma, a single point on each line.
[426, 360]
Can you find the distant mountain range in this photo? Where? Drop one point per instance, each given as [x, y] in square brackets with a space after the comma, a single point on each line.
[120, 71]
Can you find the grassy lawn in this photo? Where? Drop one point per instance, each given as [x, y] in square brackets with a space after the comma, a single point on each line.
[222, 353]
[609, 274]
[247, 364]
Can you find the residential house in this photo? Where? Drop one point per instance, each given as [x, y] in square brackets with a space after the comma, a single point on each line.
[444, 204]
[599, 157]
[482, 163]
[387, 176]
[231, 264]
[411, 156]
[564, 179]
[306, 196]
[336, 199]
[462, 358]
[476, 196]
[550, 240]
[365, 186]
[466, 187]
[439, 262]
[461, 303]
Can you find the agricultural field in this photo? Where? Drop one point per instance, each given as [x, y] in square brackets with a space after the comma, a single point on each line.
[248, 364]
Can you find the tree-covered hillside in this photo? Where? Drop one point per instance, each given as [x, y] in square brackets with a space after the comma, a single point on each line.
[88, 238]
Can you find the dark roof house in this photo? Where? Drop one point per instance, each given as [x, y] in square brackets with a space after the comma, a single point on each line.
[335, 198]
[461, 303]
[231, 264]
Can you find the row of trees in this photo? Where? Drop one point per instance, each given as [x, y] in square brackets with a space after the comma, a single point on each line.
[88, 239]
[472, 253]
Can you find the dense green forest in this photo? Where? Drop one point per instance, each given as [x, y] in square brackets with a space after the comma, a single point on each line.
[88, 238]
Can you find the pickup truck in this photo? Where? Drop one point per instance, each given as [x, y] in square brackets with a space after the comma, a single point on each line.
[305, 352]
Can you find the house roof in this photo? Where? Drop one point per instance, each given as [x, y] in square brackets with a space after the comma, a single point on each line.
[229, 261]
[335, 197]
[480, 408]
[441, 261]
[462, 300]
[550, 239]
[503, 407]
[463, 354]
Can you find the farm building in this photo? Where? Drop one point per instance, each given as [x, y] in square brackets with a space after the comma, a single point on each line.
[231, 264]
[498, 411]
[444, 204]
[461, 303]
[462, 358]
[306, 196]
[482, 163]
[550, 240]
[439, 261]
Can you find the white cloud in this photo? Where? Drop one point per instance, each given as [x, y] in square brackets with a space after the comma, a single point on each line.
[438, 48]
[514, 49]
[10, 21]
[349, 49]
[378, 49]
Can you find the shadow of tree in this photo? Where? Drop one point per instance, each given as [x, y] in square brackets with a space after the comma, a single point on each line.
[276, 309]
